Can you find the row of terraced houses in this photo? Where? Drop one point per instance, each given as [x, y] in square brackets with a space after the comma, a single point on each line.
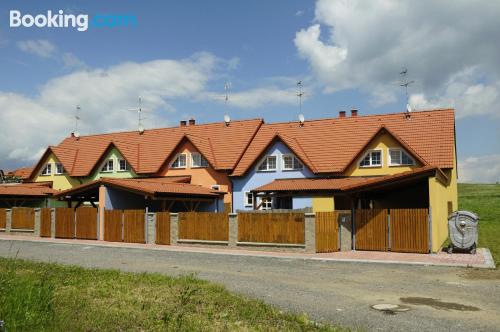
[400, 160]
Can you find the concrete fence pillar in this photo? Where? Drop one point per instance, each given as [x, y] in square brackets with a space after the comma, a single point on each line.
[36, 230]
[345, 230]
[8, 220]
[310, 232]
[151, 228]
[174, 228]
[233, 230]
[53, 223]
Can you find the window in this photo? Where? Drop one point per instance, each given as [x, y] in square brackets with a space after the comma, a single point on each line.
[266, 203]
[123, 165]
[59, 168]
[268, 164]
[248, 198]
[108, 166]
[47, 170]
[398, 157]
[372, 159]
[290, 162]
[180, 161]
[197, 160]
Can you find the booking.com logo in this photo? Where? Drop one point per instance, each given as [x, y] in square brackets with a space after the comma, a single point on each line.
[82, 22]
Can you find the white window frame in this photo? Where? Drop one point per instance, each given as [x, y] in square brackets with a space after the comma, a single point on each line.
[56, 168]
[264, 206]
[177, 156]
[265, 159]
[295, 160]
[202, 160]
[120, 169]
[371, 160]
[400, 163]
[47, 170]
[105, 167]
[245, 198]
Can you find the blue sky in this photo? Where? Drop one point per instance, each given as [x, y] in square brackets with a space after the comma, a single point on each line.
[180, 54]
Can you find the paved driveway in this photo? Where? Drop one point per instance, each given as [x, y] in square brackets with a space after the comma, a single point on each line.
[440, 298]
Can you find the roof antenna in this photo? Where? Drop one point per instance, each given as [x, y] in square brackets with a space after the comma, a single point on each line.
[405, 83]
[227, 90]
[77, 118]
[140, 126]
[300, 94]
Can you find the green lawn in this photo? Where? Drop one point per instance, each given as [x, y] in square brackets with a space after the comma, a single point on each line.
[484, 199]
[50, 297]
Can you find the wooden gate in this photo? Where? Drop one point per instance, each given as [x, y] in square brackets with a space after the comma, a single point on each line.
[113, 225]
[163, 228]
[86, 223]
[274, 227]
[327, 231]
[45, 222]
[133, 226]
[65, 223]
[23, 218]
[207, 226]
[3, 218]
[409, 230]
[371, 229]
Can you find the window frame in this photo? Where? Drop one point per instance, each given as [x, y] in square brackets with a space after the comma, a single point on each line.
[401, 152]
[371, 159]
[202, 158]
[127, 166]
[177, 156]
[245, 198]
[264, 206]
[106, 165]
[265, 159]
[48, 166]
[294, 160]
[56, 169]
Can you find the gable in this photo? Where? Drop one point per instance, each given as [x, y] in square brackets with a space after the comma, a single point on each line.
[280, 149]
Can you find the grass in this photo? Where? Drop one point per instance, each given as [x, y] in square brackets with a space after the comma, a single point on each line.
[50, 297]
[484, 199]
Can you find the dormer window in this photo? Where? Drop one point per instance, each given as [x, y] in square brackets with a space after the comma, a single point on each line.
[59, 169]
[47, 170]
[398, 157]
[267, 164]
[123, 165]
[372, 159]
[108, 166]
[180, 161]
[290, 162]
[197, 160]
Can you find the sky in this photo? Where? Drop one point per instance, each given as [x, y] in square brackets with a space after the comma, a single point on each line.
[179, 55]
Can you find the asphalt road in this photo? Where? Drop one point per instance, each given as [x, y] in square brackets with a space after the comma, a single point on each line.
[439, 298]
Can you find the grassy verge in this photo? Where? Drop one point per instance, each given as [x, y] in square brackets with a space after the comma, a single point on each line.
[484, 199]
[50, 297]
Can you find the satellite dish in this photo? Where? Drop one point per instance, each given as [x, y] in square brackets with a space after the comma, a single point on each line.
[76, 134]
[227, 119]
[408, 108]
[141, 129]
[301, 119]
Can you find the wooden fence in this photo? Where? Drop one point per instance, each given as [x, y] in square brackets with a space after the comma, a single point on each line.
[208, 226]
[65, 223]
[45, 222]
[409, 229]
[23, 218]
[133, 226]
[113, 226]
[371, 229]
[287, 228]
[86, 223]
[163, 228]
[3, 218]
[327, 234]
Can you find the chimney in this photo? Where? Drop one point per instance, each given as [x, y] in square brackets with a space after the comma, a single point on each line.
[192, 122]
[341, 114]
[183, 123]
[354, 112]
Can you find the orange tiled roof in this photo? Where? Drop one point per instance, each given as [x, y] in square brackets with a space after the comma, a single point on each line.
[22, 173]
[26, 189]
[331, 145]
[146, 153]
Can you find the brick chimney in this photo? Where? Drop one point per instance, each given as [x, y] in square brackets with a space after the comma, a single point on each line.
[354, 112]
[183, 123]
[192, 122]
[341, 114]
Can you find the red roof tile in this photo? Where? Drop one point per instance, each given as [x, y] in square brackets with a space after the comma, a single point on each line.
[26, 189]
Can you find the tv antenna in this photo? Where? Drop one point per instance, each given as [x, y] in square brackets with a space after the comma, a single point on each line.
[227, 90]
[77, 118]
[139, 111]
[404, 82]
[299, 95]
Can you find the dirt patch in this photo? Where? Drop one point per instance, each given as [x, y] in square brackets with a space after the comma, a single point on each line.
[437, 304]
[484, 274]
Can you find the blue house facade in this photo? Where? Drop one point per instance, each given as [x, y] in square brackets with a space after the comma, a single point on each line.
[278, 162]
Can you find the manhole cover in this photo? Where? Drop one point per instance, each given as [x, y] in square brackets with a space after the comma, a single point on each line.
[390, 308]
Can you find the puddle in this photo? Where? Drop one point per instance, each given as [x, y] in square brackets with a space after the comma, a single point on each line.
[438, 304]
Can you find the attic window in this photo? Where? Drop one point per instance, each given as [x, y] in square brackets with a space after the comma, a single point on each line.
[108, 166]
[197, 160]
[47, 170]
[290, 162]
[398, 157]
[123, 165]
[59, 168]
[372, 159]
[180, 161]
[268, 164]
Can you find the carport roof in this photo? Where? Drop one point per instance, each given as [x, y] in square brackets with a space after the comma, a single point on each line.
[27, 190]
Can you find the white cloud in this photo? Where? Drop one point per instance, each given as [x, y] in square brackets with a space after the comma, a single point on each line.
[482, 169]
[299, 13]
[40, 47]
[71, 61]
[363, 44]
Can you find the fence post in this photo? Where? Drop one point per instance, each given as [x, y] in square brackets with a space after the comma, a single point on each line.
[389, 230]
[36, 229]
[310, 232]
[174, 228]
[233, 230]
[97, 220]
[8, 220]
[53, 223]
[151, 228]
